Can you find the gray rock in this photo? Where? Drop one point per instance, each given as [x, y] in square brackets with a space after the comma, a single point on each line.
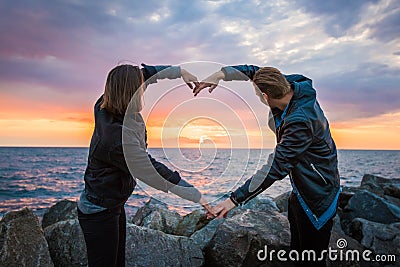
[257, 204]
[148, 247]
[191, 222]
[266, 204]
[144, 247]
[367, 205]
[393, 200]
[392, 190]
[61, 211]
[239, 238]
[155, 215]
[381, 186]
[204, 235]
[282, 201]
[163, 220]
[66, 243]
[147, 208]
[346, 194]
[378, 237]
[336, 225]
[22, 242]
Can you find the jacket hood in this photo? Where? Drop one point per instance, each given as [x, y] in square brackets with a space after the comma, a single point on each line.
[302, 87]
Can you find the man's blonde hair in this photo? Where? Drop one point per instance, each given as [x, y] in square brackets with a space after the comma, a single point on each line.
[123, 83]
[271, 81]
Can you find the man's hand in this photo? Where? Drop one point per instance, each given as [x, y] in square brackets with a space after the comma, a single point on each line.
[207, 207]
[222, 209]
[189, 79]
[211, 81]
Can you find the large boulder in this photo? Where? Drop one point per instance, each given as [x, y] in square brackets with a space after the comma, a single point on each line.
[369, 206]
[381, 186]
[203, 236]
[144, 247]
[61, 211]
[346, 194]
[337, 227]
[341, 242]
[266, 204]
[192, 222]
[22, 242]
[148, 247]
[392, 190]
[146, 210]
[163, 220]
[378, 237]
[238, 239]
[155, 215]
[393, 200]
[66, 243]
[282, 201]
[257, 204]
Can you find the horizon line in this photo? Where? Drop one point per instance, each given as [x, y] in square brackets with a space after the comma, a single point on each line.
[87, 147]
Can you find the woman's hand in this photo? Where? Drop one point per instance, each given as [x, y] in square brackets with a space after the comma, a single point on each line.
[211, 81]
[207, 207]
[222, 209]
[189, 79]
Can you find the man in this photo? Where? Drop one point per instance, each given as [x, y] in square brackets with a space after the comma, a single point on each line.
[305, 151]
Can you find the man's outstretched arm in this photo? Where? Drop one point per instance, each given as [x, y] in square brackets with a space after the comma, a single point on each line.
[228, 73]
[295, 141]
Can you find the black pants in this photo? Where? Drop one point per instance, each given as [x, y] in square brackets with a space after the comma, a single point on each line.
[304, 236]
[105, 237]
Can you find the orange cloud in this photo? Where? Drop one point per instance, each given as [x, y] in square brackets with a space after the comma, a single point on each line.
[43, 132]
[28, 122]
[25, 122]
[380, 132]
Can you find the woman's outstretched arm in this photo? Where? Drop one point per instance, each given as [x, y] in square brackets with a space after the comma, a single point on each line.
[133, 158]
[228, 73]
[153, 73]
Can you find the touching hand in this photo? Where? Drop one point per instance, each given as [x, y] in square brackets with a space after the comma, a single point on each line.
[207, 207]
[189, 79]
[222, 209]
[211, 81]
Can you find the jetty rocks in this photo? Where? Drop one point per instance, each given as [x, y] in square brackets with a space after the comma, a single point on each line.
[368, 218]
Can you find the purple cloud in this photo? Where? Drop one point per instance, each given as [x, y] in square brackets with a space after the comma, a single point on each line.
[371, 89]
[70, 46]
[337, 16]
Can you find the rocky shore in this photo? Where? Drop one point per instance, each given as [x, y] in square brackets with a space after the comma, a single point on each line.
[368, 219]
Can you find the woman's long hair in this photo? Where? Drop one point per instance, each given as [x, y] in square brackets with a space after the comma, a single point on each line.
[124, 83]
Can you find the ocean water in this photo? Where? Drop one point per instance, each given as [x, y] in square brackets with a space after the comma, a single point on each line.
[39, 177]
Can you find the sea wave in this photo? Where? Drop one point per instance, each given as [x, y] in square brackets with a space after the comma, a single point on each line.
[39, 177]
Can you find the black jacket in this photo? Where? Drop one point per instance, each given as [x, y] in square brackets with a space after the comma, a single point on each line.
[108, 179]
[305, 149]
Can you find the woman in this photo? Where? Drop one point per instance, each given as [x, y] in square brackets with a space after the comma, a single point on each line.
[109, 174]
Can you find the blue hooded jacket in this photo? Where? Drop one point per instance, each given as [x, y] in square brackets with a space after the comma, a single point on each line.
[305, 151]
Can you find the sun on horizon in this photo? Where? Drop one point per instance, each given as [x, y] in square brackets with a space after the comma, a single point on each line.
[376, 133]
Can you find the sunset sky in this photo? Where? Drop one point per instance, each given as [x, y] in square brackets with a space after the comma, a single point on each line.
[55, 55]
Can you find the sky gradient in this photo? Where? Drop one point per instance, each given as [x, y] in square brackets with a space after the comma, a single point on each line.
[55, 55]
